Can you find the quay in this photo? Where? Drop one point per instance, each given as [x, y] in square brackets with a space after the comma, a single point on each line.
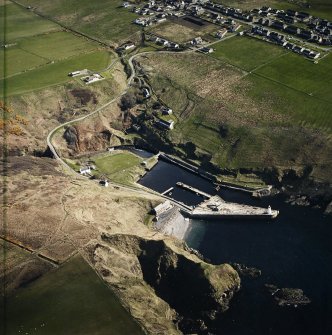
[193, 190]
[217, 208]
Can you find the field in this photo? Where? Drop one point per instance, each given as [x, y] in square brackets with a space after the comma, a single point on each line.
[56, 73]
[181, 33]
[123, 167]
[105, 20]
[40, 56]
[22, 23]
[246, 53]
[68, 300]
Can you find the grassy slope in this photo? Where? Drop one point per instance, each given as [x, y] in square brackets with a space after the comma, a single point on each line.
[102, 19]
[69, 300]
[114, 166]
[265, 118]
[22, 23]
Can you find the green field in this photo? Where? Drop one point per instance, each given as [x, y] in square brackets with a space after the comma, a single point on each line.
[301, 74]
[40, 56]
[246, 53]
[121, 167]
[53, 74]
[68, 300]
[32, 52]
[105, 20]
[57, 45]
[22, 23]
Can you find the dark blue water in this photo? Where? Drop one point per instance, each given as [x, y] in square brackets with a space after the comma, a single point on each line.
[294, 250]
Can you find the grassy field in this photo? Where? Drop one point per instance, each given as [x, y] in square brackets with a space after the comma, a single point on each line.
[300, 74]
[22, 23]
[56, 73]
[120, 167]
[246, 53]
[69, 300]
[105, 20]
[40, 55]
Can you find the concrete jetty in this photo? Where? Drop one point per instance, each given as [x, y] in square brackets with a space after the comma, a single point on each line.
[168, 190]
[193, 190]
[217, 208]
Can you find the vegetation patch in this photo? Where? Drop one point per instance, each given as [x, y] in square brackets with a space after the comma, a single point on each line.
[106, 20]
[120, 167]
[247, 53]
[54, 73]
[71, 299]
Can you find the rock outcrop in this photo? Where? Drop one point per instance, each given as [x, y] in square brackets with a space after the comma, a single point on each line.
[183, 292]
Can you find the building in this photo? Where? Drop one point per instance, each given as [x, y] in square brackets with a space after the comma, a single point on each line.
[196, 41]
[85, 170]
[146, 93]
[166, 110]
[166, 124]
[161, 208]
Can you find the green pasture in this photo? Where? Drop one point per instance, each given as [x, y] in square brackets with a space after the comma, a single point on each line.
[301, 74]
[54, 73]
[69, 300]
[105, 20]
[246, 53]
[18, 60]
[120, 167]
[21, 23]
[56, 46]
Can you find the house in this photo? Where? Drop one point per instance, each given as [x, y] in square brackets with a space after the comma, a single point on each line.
[136, 127]
[306, 34]
[85, 170]
[206, 50]
[166, 110]
[292, 30]
[166, 124]
[128, 46]
[221, 33]
[174, 45]
[93, 78]
[314, 55]
[74, 73]
[298, 49]
[278, 25]
[104, 183]
[196, 41]
[161, 208]
[146, 93]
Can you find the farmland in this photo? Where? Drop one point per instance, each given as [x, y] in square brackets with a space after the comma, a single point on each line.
[104, 20]
[22, 23]
[246, 53]
[29, 65]
[81, 304]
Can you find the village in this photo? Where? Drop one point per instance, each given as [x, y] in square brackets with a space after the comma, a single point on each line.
[299, 32]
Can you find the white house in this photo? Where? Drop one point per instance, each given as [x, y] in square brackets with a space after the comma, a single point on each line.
[85, 170]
